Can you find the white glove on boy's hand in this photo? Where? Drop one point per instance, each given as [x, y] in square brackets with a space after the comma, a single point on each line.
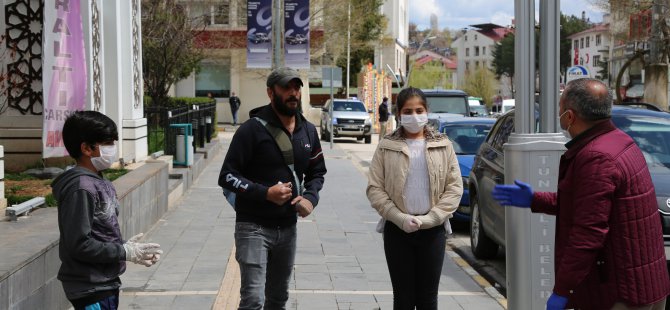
[145, 254]
[411, 224]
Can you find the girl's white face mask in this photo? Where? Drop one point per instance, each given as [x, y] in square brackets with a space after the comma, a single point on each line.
[413, 123]
[106, 159]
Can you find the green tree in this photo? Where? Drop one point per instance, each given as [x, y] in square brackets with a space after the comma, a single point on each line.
[603, 70]
[367, 26]
[168, 50]
[430, 75]
[503, 59]
[481, 83]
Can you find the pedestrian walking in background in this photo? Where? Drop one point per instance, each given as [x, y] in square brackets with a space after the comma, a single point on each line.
[235, 104]
[383, 117]
[609, 251]
[276, 169]
[415, 185]
[91, 249]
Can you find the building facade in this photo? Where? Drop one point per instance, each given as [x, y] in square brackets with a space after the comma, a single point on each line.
[113, 50]
[392, 51]
[224, 71]
[591, 50]
[474, 50]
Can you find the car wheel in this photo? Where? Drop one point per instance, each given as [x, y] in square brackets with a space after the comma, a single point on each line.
[482, 246]
[368, 139]
[359, 138]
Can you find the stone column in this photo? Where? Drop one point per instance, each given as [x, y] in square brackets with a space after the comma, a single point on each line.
[91, 12]
[123, 76]
[134, 124]
[112, 62]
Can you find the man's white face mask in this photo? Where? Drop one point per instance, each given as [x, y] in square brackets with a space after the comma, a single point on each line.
[565, 131]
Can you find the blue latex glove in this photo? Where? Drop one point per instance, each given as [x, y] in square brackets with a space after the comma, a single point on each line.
[556, 302]
[519, 195]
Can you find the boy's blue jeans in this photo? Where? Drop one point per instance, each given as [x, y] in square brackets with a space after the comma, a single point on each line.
[266, 256]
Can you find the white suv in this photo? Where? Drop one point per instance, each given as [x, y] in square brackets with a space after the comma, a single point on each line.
[350, 119]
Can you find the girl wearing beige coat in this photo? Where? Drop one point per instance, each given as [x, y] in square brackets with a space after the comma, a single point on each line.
[415, 185]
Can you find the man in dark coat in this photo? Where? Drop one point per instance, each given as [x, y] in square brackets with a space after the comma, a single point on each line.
[609, 251]
[270, 194]
[383, 117]
[235, 104]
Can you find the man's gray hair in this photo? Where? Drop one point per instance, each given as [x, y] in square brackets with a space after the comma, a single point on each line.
[587, 104]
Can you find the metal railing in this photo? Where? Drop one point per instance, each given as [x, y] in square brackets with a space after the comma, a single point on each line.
[162, 137]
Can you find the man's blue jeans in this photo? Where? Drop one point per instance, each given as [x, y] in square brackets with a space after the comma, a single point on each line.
[266, 257]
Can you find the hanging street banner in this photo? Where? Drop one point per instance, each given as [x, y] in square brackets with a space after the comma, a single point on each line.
[64, 71]
[259, 34]
[296, 34]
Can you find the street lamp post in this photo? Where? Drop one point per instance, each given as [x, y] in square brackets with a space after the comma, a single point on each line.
[411, 66]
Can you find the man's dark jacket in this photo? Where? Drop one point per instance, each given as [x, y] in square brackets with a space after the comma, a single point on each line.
[254, 163]
[235, 102]
[609, 239]
[383, 112]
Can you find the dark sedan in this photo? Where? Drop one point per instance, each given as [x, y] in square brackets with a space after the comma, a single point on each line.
[649, 129]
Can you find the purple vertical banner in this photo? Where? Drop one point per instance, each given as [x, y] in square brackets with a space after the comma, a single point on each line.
[296, 34]
[64, 71]
[259, 34]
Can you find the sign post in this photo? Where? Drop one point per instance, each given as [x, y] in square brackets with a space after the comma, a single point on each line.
[331, 77]
[533, 158]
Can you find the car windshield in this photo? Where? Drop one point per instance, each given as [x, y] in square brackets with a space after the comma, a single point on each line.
[480, 109]
[652, 135]
[349, 106]
[456, 105]
[467, 137]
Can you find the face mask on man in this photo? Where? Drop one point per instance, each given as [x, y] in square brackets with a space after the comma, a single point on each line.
[565, 132]
[106, 159]
[413, 123]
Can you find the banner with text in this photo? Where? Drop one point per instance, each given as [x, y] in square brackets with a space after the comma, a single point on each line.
[259, 34]
[296, 34]
[63, 71]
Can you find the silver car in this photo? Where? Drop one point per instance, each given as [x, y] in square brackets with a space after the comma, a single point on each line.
[350, 119]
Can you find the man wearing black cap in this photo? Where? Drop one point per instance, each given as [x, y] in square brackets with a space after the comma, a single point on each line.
[276, 169]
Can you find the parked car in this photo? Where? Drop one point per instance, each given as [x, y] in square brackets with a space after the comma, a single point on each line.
[649, 129]
[296, 39]
[447, 102]
[479, 110]
[466, 134]
[350, 119]
[258, 37]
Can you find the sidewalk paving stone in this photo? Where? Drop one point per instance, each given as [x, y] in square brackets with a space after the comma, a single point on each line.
[340, 261]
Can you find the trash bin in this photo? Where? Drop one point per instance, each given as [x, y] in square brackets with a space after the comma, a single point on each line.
[184, 144]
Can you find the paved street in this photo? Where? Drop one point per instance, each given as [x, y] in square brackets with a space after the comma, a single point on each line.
[339, 265]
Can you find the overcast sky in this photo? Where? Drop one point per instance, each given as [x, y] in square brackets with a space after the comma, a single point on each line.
[457, 14]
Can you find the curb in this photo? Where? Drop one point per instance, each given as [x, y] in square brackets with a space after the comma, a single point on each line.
[476, 276]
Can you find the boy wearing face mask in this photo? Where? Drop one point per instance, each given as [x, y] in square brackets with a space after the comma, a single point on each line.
[91, 249]
[415, 185]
